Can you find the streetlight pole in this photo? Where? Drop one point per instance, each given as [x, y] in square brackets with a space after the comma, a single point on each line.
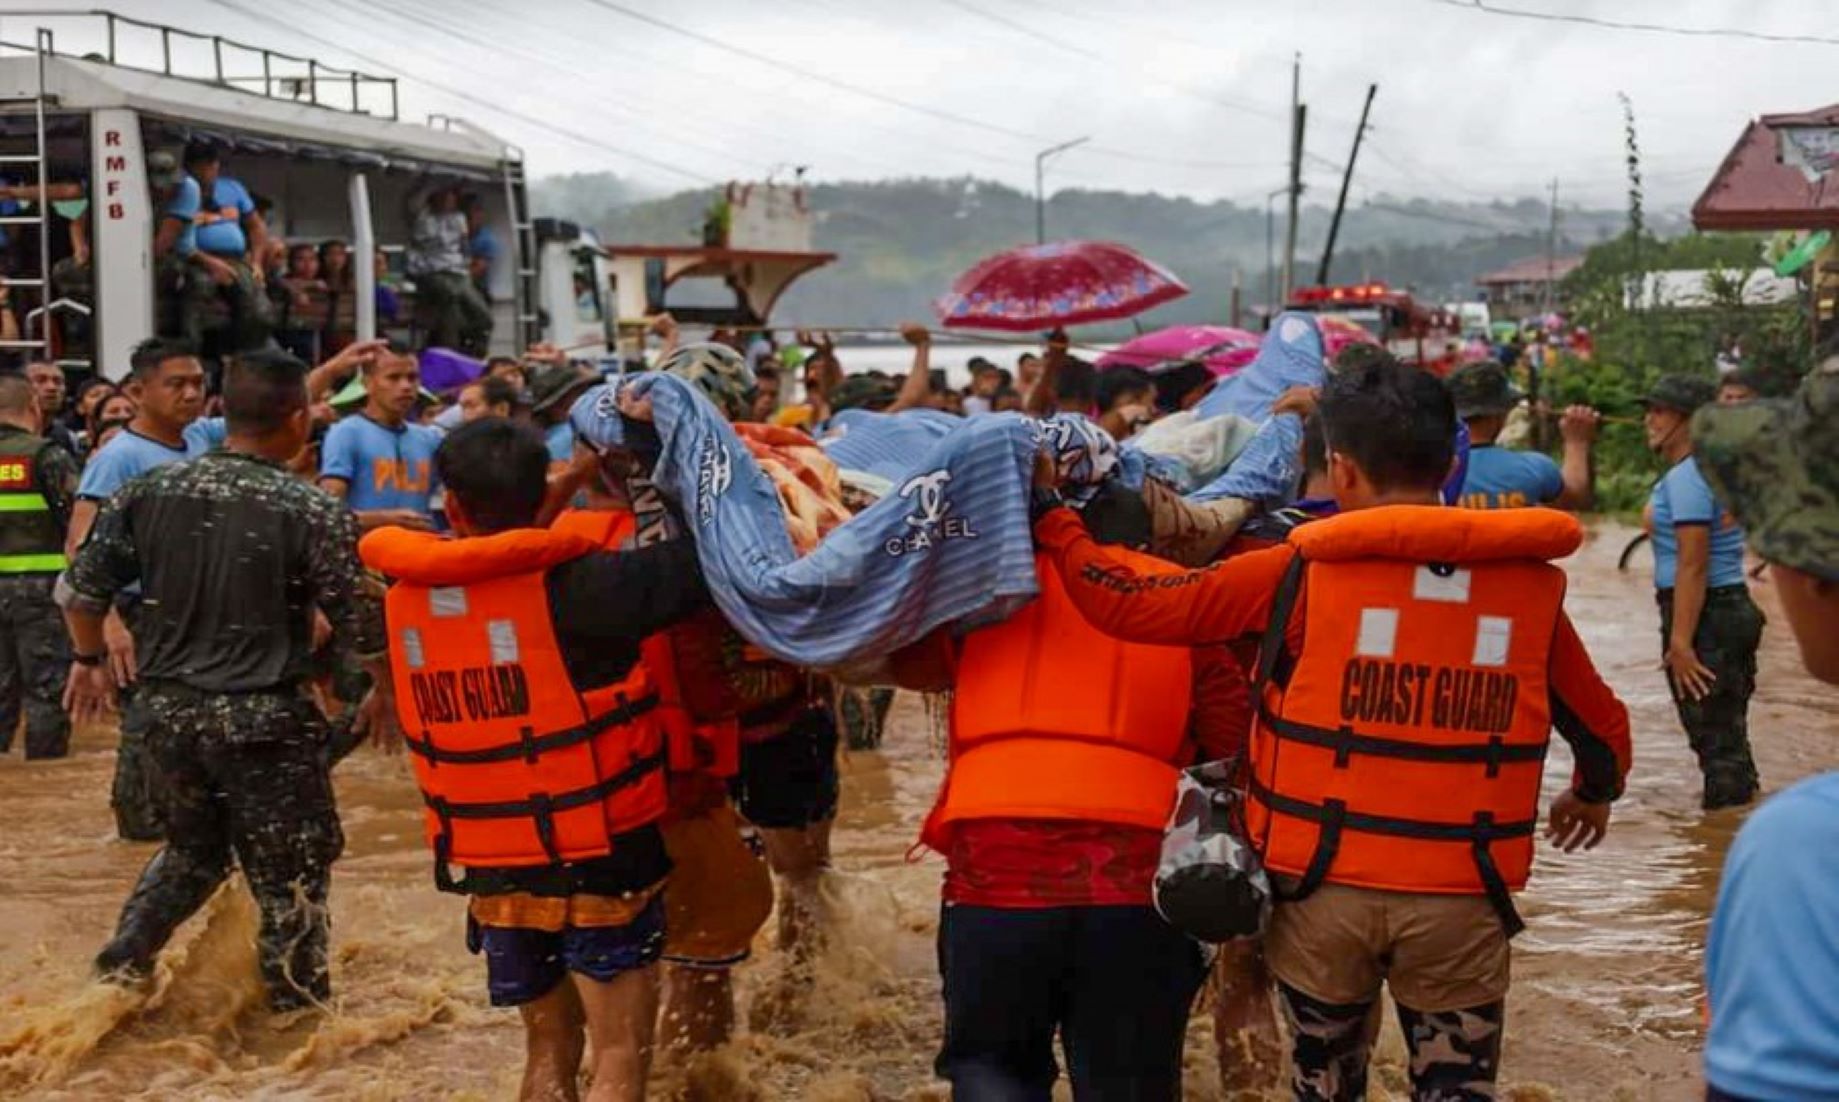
[1270, 250]
[1040, 195]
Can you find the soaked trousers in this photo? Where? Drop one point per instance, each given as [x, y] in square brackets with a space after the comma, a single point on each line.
[1117, 983]
[34, 662]
[1454, 1055]
[248, 780]
[1717, 727]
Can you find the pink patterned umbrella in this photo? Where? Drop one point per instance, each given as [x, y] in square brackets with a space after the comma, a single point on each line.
[1222, 348]
[1062, 283]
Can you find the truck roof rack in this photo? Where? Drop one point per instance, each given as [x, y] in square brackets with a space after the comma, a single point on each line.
[281, 75]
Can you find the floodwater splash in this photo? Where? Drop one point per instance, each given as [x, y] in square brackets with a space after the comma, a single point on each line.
[1603, 1005]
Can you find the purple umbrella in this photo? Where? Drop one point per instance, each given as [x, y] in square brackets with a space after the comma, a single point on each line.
[1223, 349]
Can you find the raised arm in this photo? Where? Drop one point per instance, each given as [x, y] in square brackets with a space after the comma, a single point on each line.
[918, 385]
[1579, 431]
[1133, 598]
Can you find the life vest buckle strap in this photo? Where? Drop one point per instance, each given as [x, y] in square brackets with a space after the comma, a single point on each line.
[1332, 817]
[1491, 880]
[527, 736]
[443, 851]
[543, 809]
[1483, 829]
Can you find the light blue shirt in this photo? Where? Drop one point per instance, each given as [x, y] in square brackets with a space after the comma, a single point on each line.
[225, 238]
[1772, 961]
[560, 438]
[1682, 496]
[1503, 479]
[382, 468]
[184, 206]
[131, 455]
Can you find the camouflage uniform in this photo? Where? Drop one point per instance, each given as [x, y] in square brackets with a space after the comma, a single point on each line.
[1777, 465]
[38, 481]
[1454, 1056]
[234, 554]
[1718, 724]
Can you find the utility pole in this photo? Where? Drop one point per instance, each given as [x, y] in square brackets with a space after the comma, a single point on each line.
[1347, 177]
[1270, 251]
[1551, 252]
[1298, 115]
[1040, 194]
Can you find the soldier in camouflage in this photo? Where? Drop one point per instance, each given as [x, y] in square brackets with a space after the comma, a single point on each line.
[38, 480]
[234, 554]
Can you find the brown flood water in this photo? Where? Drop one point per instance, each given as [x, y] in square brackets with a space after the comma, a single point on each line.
[1605, 1003]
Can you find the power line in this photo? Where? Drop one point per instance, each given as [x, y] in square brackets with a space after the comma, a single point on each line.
[466, 96]
[1487, 8]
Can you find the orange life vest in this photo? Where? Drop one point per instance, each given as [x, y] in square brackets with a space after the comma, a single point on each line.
[1053, 719]
[518, 766]
[1402, 748]
[709, 743]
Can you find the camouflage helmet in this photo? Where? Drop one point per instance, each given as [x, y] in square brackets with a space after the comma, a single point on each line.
[1680, 393]
[718, 371]
[1775, 462]
[1483, 390]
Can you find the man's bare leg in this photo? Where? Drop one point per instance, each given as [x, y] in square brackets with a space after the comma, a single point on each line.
[798, 857]
[553, 1042]
[622, 1016]
[698, 1008]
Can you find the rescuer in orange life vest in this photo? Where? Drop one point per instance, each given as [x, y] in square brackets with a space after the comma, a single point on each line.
[536, 741]
[1064, 751]
[720, 892]
[1415, 660]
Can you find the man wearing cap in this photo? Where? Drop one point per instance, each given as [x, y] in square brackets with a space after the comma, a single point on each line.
[1772, 960]
[552, 392]
[1502, 479]
[1709, 626]
[376, 460]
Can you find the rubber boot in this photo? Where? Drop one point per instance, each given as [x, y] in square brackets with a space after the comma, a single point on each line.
[171, 889]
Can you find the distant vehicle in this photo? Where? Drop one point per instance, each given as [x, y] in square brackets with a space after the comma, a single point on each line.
[1428, 336]
[328, 147]
[1474, 320]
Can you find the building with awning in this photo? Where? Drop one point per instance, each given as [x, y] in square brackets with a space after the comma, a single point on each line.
[1526, 287]
[1780, 178]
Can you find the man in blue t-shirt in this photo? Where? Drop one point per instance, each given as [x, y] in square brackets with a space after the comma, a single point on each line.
[230, 238]
[1499, 478]
[1772, 959]
[482, 247]
[379, 462]
[167, 382]
[1709, 626]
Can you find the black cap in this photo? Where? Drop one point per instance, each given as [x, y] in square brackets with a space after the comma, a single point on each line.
[1681, 393]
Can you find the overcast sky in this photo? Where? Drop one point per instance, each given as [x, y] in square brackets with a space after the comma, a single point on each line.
[1176, 96]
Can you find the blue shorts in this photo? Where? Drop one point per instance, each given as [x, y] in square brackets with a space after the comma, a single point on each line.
[521, 966]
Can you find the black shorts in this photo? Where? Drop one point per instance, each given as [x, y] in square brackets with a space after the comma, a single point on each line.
[789, 781]
[521, 966]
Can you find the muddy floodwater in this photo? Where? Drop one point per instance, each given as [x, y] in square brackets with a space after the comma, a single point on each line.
[1606, 999]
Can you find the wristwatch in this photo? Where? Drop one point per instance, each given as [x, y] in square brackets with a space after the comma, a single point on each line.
[87, 659]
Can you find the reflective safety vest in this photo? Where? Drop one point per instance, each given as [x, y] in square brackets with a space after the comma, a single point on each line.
[517, 764]
[1402, 748]
[1053, 719]
[31, 540]
[709, 743]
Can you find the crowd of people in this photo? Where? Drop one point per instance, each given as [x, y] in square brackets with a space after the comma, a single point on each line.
[260, 571]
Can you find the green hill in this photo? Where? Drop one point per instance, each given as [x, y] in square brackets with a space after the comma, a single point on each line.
[901, 242]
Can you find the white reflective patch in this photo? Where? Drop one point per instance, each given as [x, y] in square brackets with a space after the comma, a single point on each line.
[447, 601]
[411, 648]
[1493, 637]
[1429, 585]
[1378, 632]
[503, 634]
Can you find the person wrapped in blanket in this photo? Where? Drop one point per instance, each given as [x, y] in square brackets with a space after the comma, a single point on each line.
[770, 728]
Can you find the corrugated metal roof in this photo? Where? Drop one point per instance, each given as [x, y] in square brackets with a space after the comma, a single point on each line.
[1754, 189]
[88, 85]
[1533, 269]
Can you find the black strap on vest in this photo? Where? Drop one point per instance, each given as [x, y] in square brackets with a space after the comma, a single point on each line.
[1334, 819]
[540, 806]
[529, 745]
[1346, 742]
[1272, 648]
